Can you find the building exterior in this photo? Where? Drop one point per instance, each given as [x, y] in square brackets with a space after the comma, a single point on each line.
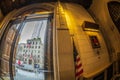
[31, 53]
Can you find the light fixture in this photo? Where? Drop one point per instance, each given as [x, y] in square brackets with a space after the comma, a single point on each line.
[13, 0]
[90, 26]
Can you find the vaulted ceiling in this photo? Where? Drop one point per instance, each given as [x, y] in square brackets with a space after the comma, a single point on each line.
[8, 5]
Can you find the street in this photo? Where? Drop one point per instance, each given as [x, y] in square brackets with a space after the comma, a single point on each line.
[26, 75]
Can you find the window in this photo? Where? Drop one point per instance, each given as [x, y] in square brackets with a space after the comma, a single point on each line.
[16, 39]
[38, 61]
[36, 42]
[30, 61]
[28, 55]
[33, 43]
[25, 59]
[114, 10]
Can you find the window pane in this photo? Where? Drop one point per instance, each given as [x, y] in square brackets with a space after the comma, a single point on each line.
[31, 60]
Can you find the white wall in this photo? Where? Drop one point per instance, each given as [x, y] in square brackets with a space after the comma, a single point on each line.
[93, 63]
[100, 10]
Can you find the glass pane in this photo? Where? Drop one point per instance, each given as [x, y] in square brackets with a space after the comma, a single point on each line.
[5, 48]
[32, 51]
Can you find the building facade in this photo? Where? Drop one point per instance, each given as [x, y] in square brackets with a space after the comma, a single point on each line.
[30, 54]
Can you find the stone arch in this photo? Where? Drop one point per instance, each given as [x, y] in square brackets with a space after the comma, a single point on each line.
[34, 8]
[15, 13]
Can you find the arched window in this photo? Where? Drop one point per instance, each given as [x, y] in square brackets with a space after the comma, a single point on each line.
[16, 59]
[114, 10]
